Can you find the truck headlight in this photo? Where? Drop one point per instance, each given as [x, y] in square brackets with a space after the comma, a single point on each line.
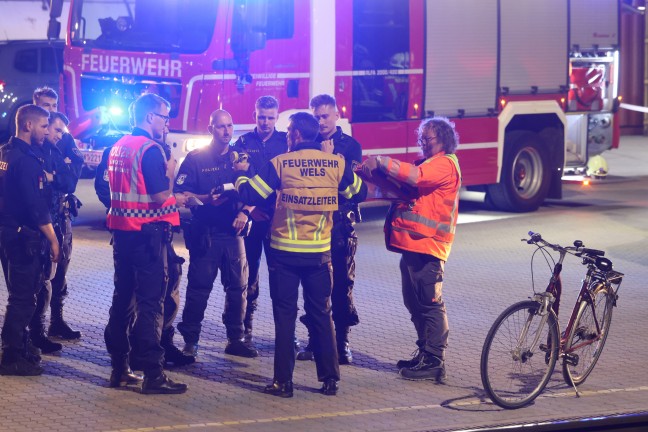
[195, 143]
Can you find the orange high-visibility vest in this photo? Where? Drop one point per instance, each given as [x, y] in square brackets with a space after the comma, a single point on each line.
[130, 204]
[426, 224]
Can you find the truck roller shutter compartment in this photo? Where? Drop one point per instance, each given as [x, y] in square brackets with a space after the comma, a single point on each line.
[460, 57]
[534, 46]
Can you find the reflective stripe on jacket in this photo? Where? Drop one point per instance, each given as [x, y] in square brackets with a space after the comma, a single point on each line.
[426, 224]
[130, 204]
[308, 184]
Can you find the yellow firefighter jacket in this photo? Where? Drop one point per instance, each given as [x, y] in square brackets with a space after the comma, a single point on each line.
[308, 183]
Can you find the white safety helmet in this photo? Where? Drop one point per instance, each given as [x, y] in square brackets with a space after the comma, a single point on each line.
[597, 167]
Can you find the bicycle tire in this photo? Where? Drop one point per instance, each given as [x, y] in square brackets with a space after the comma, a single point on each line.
[578, 363]
[513, 383]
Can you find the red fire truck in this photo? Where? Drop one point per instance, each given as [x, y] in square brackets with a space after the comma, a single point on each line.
[531, 85]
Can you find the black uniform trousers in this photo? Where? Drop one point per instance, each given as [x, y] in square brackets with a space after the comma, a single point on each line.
[54, 292]
[22, 264]
[171, 306]
[285, 276]
[172, 296]
[59, 282]
[209, 251]
[344, 244]
[140, 273]
[255, 242]
[422, 281]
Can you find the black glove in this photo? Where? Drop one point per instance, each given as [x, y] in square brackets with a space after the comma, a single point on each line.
[74, 204]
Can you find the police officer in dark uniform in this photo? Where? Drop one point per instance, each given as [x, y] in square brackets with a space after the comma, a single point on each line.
[142, 213]
[68, 165]
[60, 180]
[308, 184]
[214, 238]
[101, 186]
[172, 297]
[25, 231]
[344, 241]
[261, 145]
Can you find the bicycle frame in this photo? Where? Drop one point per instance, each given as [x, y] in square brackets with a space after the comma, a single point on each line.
[587, 296]
[555, 283]
[555, 289]
[518, 354]
[550, 299]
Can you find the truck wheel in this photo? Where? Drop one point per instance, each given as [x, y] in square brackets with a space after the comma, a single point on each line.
[525, 180]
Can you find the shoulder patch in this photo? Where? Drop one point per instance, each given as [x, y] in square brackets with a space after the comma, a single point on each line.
[181, 179]
[106, 177]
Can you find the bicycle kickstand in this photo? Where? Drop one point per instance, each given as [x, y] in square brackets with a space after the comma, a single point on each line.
[575, 390]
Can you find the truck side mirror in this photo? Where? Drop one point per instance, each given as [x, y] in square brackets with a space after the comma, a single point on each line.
[53, 29]
[249, 26]
[56, 8]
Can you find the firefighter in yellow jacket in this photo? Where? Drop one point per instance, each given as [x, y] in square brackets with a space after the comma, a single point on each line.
[308, 183]
[422, 230]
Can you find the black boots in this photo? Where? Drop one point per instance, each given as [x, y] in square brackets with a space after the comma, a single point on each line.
[305, 353]
[173, 355]
[239, 348]
[284, 390]
[161, 384]
[416, 357]
[59, 328]
[429, 367]
[190, 349]
[345, 356]
[121, 377]
[330, 387]
[19, 365]
[39, 340]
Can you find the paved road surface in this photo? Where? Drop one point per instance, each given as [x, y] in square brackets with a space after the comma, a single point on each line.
[487, 271]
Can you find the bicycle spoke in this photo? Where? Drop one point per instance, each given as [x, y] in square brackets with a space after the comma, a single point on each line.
[587, 338]
[514, 370]
[522, 347]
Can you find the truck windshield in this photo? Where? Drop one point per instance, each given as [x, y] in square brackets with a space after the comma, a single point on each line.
[182, 26]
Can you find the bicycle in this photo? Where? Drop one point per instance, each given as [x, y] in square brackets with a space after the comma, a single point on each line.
[523, 345]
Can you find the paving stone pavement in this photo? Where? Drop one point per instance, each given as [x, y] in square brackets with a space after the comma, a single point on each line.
[487, 271]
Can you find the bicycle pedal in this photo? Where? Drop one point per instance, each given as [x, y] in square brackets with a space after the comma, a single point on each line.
[545, 348]
[571, 359]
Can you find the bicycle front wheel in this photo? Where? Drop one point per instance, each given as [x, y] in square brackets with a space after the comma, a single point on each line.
[519, 354]
[587, 337]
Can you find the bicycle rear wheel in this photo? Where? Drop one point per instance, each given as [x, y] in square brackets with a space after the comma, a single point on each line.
[519, 355]
[585, 343]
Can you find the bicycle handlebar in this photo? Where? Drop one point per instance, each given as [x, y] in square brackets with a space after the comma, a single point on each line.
[578, 247]
[593, 256]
